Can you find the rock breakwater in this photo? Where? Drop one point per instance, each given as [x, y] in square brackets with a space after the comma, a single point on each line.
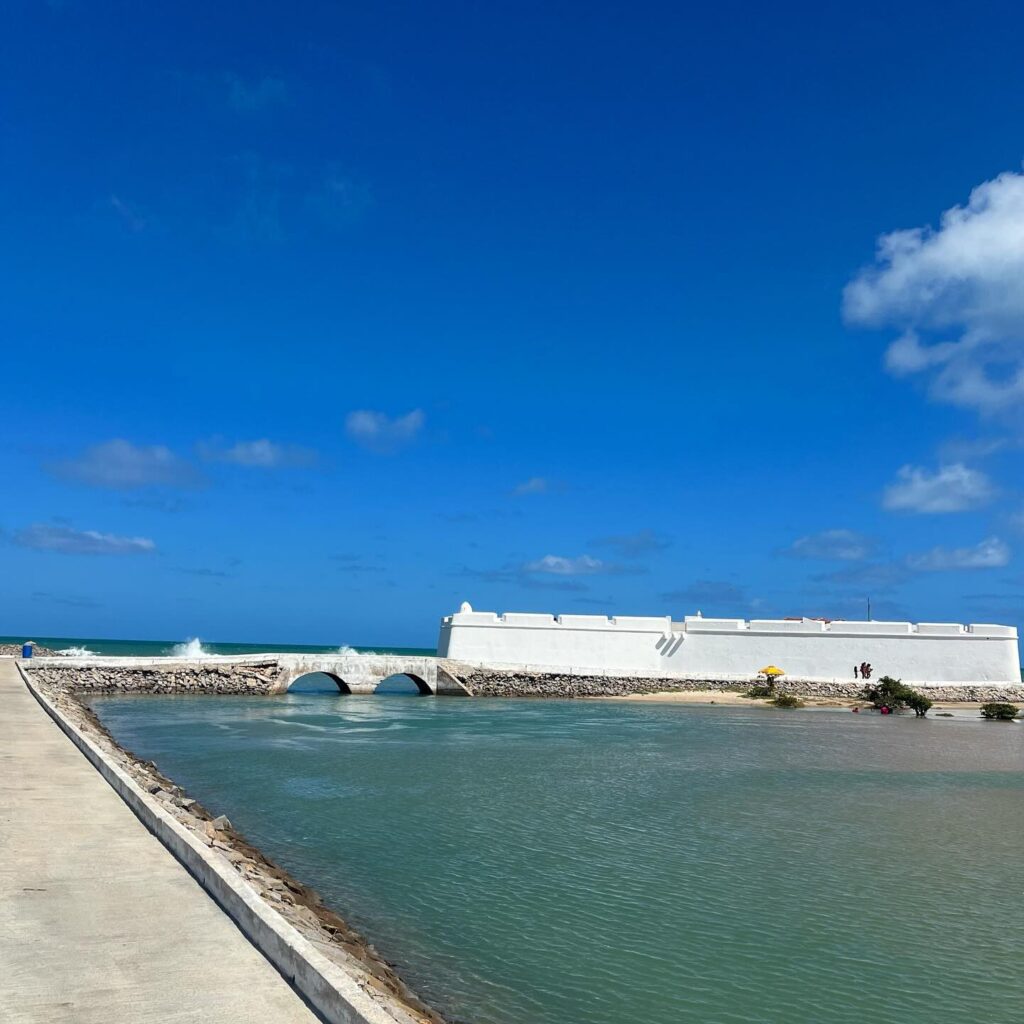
[198, 677]
[14, 651]
[489, 682]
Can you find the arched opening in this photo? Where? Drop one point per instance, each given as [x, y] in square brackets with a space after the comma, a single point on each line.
[402, 684]
[319, 682]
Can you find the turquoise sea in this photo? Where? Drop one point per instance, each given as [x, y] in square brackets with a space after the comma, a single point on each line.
[592, 862]
[161, 648]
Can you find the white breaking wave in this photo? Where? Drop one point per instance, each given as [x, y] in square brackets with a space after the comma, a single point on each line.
[77, 652]
[345, 649]
[192, 648]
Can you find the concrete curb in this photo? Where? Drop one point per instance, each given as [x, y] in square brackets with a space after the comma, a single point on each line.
[330, 991]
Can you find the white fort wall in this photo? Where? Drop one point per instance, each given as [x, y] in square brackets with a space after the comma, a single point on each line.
[700, 648]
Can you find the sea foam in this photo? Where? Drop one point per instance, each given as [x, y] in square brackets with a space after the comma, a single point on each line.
[191, 648]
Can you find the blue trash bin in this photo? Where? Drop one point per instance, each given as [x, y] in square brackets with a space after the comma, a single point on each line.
[26, 651]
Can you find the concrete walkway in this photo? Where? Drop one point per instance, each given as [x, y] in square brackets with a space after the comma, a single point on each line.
[99, 924]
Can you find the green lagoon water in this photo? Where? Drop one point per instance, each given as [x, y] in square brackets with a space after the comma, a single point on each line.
[589, 862]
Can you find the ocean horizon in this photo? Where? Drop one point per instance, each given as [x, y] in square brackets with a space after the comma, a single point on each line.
[196, 647]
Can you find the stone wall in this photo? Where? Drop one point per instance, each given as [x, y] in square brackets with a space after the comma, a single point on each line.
[488, 682]
[921, 654]
[255, 678]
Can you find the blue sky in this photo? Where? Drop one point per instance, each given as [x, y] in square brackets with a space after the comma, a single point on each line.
[319, 319]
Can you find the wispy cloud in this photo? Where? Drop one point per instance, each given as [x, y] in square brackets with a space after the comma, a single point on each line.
[991, 553]
[121, 465]
[710, 592]
[154, 503]
[581, 565]
[965, 449]
[515, 576]
[634, 545]
[953, 488]
[218, 574]
[876, 575]
[261, 454]
[962, 279]
[70, 600]
[68, 541]
[535, 485]
[381, 433]
[337, 198]
[248, 95]
[354, 564]
[128, 213]
[833, 545]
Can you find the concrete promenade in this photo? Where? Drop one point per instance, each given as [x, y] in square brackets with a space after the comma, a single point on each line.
[99, 924]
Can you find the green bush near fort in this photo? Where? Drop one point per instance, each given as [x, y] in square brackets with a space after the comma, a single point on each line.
[787, 700]
[999, 711]
[891, 693]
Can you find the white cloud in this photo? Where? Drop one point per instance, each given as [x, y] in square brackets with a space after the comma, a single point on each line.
[953, 488]
[535, 485]
[837, 545]
[66, 541]
[958, 449]
[263, 454]
[121, 465]
[381, 433]
[556, 565]
[955, 293]
[990, 553]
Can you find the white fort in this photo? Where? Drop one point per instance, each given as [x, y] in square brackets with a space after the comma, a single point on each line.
[923, 653]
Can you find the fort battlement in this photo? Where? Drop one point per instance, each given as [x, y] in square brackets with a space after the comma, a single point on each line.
[696, 647]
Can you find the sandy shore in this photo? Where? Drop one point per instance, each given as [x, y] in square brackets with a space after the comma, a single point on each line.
[734, 697]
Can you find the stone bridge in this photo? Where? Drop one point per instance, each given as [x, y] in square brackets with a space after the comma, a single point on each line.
[242, 674]
[362, 673]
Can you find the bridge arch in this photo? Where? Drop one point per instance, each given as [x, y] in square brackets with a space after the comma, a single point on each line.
[340, 683]
[422, 687]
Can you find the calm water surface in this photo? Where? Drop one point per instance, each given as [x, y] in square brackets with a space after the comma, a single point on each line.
[585, 862]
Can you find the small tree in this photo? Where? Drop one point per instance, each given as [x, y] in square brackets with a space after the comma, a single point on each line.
[891, 693]
[918, 703]
[999, 711]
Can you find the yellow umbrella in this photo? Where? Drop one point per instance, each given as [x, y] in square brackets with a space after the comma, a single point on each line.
[772, 670]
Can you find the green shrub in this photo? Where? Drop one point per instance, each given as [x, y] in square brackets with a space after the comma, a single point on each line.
[999, 711]
[891, 693]
[759, 692]
[787, 700]
[918, 703]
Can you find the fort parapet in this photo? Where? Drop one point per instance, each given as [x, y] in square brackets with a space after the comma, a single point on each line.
[922, 654]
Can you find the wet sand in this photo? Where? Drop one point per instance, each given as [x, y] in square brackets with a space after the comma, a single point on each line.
[735, 697]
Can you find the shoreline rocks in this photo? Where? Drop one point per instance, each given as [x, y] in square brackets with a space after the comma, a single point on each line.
[14, 651]
[197, 678]
[487, 682]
